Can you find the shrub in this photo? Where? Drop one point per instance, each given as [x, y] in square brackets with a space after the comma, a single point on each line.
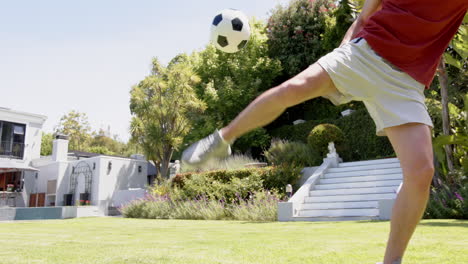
[285, 152]
[262, 206]
[220, 185]
[361, 141]
[154, 207]
[200, 209]
[229, 185]
[258, 206]
[321, 135]
[279, 176]
[448, 202]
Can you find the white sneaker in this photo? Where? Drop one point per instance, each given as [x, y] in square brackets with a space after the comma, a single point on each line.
[212, 146]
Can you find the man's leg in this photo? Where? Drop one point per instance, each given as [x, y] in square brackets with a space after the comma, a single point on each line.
[311, 83]
[413, 146]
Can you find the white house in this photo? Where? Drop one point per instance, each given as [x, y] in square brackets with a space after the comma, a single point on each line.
[79, 178]
[20, 143]
[65, 178]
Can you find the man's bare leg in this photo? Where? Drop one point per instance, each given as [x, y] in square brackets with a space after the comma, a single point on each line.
[311, 83]
[413, 146]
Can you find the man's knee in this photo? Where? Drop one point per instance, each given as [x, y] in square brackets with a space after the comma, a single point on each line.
[419, 174]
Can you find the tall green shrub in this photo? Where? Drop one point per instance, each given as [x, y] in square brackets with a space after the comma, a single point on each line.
[286, 152]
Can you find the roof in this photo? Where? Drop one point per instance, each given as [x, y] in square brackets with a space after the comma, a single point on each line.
[83, 154]
[8, 165]
[18, 116]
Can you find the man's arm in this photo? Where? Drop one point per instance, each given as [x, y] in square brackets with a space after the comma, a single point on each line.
[369, 8]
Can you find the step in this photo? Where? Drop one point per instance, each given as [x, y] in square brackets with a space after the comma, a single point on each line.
[362, 173]
[332, 186]
[384, 177]
[340, 205]
[368, 162]
[351, 197]
[334, 219]
[352, 191]
[339, 212]
[366, 167]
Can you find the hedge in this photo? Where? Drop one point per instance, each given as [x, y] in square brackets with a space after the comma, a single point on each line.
[230, 185]
[359, 130]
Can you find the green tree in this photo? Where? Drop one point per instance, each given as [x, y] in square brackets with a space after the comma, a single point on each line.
[337, 25]
[46, 144]
[102, 143]
[296, 32]
[76, 126]
[163, 106]
[456, 56]
[229, 82]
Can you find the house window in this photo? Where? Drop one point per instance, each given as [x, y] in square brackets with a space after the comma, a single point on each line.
[12, 138]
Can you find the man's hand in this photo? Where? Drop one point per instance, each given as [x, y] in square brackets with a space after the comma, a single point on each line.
[369, 8]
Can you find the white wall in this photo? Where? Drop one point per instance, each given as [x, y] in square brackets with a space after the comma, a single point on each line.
[33, 141]
[54, 171]
[64, 177]
[123, 175]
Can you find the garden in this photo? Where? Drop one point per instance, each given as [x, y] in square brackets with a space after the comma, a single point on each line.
[205, 90]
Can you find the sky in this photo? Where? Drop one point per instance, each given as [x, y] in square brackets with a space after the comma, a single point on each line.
[63, 55]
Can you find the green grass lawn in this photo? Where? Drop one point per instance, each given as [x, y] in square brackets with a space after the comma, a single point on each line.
[120, 240]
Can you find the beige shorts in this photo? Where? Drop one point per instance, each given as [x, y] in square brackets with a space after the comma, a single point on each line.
[391, 96]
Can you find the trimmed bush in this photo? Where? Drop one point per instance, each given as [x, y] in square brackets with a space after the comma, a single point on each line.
[322, 134]
[216, 186]
[230, 185]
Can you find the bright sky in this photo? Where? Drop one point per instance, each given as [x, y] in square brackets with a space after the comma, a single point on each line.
[59, 55]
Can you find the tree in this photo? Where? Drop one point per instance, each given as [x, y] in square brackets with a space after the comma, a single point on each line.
[337, 25]
[76, 126]
[456, 55]
[102, 143]
[46, 144]
[163, 106]
[295, 33]
[229, 82]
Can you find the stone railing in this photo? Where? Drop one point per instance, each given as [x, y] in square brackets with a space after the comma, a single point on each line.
[287, 210]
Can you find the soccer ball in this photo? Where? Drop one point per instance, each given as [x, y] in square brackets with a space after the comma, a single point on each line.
[230, 30]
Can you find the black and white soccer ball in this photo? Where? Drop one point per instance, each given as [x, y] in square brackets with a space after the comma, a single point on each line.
[230, 30]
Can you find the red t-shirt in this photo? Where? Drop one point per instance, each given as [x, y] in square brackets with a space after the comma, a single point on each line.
[413, 34]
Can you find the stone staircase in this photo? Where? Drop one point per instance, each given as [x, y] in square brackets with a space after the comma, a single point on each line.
[351, 191]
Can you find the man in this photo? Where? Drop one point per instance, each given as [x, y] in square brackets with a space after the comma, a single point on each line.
[387, 58]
